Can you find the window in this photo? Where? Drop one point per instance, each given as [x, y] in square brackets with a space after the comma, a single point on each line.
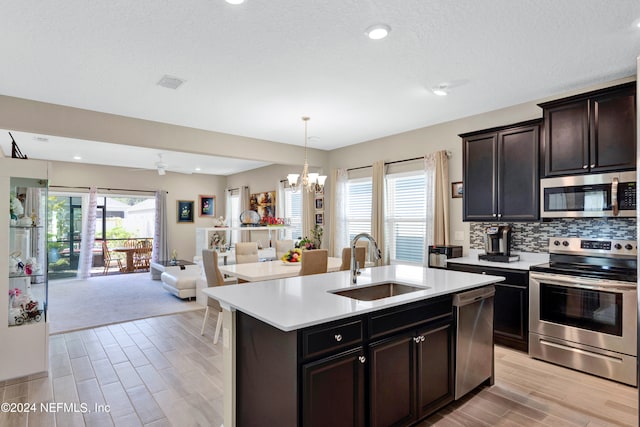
[406, 216]
[359, 203]
[293, 211]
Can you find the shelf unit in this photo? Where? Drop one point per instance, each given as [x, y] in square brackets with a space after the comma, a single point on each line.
[24, 331]
[203, 235]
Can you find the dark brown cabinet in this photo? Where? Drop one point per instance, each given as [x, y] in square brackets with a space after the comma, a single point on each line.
[592, 132]
[500, 173]
[511, 305]
[334, 390]
[388, 367]
[411, 375]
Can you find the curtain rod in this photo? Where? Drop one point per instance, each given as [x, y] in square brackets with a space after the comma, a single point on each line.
[78, 187]
[447, 152]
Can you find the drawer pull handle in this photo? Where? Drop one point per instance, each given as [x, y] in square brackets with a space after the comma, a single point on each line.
[362, 359]
[416, 340]
[422, 338]
[338, 337]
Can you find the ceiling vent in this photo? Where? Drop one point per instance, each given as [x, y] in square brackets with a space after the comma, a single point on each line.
[170, 82]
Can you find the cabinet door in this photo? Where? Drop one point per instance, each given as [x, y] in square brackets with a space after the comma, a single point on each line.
[511, 316]
[333, 391]
[392, 381]
[613, 131]
[479, 175]
[566, 131]
[518, 177]
[435, 369]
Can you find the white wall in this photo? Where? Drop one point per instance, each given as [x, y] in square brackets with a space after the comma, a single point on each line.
[181, 237]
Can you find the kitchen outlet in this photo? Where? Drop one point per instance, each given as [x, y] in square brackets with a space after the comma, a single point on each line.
[458, 235]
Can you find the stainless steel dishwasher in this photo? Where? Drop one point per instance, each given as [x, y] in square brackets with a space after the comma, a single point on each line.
[474, 339]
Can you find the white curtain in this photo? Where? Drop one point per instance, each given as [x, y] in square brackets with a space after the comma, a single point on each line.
[160, 250]
[378, 209]
[436, 169]
[338, 213]
[87, 238]
[308, 211]
[244, 205]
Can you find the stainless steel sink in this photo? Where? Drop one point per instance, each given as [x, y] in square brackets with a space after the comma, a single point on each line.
[383, 290]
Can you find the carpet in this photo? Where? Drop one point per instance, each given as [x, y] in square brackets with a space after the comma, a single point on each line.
[78, 304]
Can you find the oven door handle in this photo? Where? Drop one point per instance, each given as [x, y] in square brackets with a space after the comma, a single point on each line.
[577, 282]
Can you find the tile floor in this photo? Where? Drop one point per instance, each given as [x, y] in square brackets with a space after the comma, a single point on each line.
[160, 372]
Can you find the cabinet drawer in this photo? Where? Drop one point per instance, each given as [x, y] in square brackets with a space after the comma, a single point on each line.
[331, 338]
[404, 317]
[512, 277]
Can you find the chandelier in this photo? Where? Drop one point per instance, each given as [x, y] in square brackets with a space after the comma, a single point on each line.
[312, 182]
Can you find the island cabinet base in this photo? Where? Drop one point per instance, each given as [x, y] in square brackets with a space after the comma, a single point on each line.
[393, 366]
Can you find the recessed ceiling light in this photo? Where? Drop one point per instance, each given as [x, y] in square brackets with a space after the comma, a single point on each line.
[170, 82]
[77, 157]
[197, 169]
[41, 138]
[441, 90]
[234, 1]
[378, 31]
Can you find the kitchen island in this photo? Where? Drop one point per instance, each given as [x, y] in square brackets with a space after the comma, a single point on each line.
[297, 353]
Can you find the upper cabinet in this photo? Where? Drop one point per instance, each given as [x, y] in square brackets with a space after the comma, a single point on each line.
[591, 132]
[501, 173]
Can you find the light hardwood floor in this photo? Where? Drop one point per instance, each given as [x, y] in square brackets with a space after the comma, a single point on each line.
[160, 372]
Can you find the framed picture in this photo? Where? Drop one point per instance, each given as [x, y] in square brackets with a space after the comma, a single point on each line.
[457, 190]
[319, 203]
[185, 211]
[320, 219]
[263, 203]
[206, 205]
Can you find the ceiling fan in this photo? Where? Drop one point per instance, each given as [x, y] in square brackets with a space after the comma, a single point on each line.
[162, 167]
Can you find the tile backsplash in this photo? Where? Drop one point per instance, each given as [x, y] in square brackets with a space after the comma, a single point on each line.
[534, 236]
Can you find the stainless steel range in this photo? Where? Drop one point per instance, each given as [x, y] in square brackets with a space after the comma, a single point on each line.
[583, 307]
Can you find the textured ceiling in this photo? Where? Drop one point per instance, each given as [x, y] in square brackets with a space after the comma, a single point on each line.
[255, 69]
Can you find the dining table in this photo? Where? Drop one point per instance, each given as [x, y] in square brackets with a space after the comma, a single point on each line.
[269, 270]
[129, 260]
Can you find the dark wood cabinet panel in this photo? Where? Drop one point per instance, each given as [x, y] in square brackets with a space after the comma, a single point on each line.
[435, 368]
[480, 167]
[511, 316]
[592, 132]
[500, 173]
[518, 184]
[392, 381]
[566, 128]
[511, 305]
[613, 132]
[334, 391]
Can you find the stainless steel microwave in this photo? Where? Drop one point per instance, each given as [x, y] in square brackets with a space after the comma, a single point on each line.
[592, 195]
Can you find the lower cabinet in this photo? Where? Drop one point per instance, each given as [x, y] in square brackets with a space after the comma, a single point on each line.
[333, 390]
[391, 367]
[511, 305]
[411, 376]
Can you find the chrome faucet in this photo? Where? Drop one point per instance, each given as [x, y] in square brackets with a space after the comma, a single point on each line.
[355, 268]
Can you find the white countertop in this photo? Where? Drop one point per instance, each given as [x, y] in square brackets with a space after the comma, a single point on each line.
[527, 259]
[270, 270]
[299, 302]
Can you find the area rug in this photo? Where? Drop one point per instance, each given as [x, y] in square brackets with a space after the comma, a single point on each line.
[97, 301]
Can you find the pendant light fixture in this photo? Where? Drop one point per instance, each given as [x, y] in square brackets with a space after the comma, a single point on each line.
[312, 182]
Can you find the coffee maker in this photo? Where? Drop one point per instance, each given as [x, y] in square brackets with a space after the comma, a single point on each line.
[497, 244]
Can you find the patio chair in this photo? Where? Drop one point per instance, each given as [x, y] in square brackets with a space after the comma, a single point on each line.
[142, 255]
[110, 259]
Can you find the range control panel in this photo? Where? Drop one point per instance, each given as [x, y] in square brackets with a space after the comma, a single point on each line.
[601, 247]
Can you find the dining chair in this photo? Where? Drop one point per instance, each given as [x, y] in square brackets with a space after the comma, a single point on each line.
[282, 247]
[142, 255]
[109, 259]
[214, 278]
[246, 252]
[314, 261]
[346, 257]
